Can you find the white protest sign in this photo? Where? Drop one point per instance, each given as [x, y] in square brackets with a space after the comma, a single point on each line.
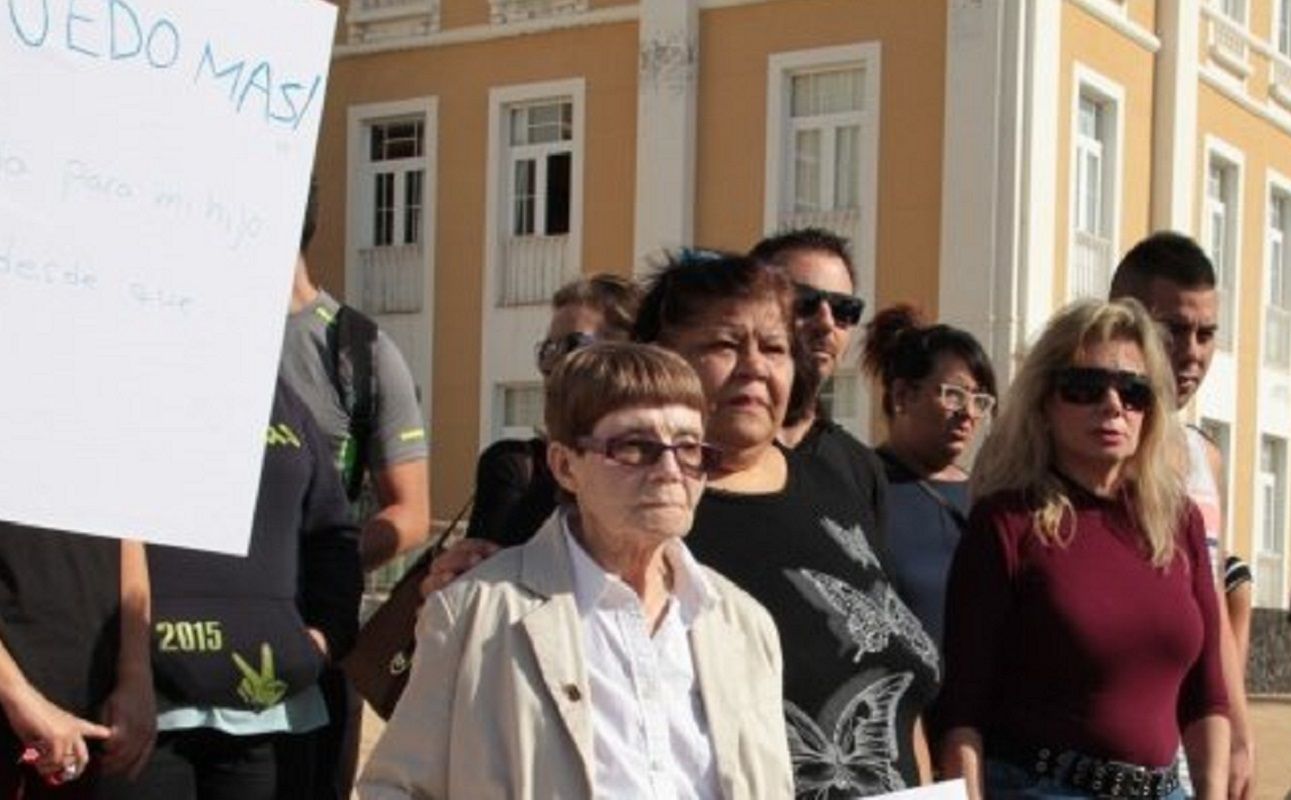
[946, 790]
[154, 163]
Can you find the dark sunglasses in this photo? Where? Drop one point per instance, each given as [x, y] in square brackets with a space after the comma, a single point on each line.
[1088, 385]
[845, 308]
[695, 459]
[548, 350]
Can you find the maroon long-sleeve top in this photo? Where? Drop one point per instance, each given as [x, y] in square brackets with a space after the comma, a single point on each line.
[1084, 646]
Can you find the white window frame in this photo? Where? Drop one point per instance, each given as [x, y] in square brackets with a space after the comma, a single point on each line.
[538, 153]
[1235, 10]
[506, 431]
[1221, 433]
[1279, 186]
[498, 196]
[781, 68]
[370, 171]
[1270, 485]
[1228, 279]
[1280, 17]
[358, 193]
[1110, 95]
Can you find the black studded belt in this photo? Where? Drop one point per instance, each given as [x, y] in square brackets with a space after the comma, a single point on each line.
[1101, 777]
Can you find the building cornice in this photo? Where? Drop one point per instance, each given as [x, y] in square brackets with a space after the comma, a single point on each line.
[471, 34]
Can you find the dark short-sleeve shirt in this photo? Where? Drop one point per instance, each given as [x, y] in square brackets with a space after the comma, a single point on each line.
[858, 667]
[922, 534]
[1084, 645]
[60, 597]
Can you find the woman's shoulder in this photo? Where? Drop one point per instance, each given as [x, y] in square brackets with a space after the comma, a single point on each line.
[736, 605]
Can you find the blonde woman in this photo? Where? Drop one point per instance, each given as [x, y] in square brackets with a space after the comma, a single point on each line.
[1082, 640]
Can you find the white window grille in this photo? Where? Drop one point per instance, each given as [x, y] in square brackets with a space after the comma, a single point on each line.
[1270, 553]
[1220, 222]
[522, 409]
[393, 188]
[539, 175]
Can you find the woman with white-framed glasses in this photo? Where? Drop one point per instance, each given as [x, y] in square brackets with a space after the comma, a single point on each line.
[938, 389]
[599, 659]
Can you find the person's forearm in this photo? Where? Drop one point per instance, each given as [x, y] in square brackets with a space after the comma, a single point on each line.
[13, 683]
[1234, 687]
[403, 523]
[961, 757]
[1206, 743]
[134, 660]
[392, 531]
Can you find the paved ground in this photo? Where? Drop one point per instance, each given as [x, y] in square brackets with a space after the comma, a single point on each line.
[1272, 748]
[1272, 719]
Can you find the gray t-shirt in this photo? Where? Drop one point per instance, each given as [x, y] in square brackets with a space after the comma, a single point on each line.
[306, 366]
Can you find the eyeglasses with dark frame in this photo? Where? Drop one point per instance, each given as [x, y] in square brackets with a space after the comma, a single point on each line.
[694, 459]
[956, 399]
[549, 350]
[845, 308]
[1086, 386]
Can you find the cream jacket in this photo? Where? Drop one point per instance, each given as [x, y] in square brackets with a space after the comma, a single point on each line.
[497, 702]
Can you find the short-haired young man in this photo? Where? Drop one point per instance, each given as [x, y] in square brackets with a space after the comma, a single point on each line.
[394, 452]
[1170, 275]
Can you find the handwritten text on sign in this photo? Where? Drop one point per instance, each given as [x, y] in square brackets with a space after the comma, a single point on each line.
[154, 160]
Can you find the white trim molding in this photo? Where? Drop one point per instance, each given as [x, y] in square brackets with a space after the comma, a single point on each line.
[505, 327]
[667, 90]
[1217, 397]
[1110, 95]
[469, 34]
[859, 225]
[1113, 14]
[413, 332]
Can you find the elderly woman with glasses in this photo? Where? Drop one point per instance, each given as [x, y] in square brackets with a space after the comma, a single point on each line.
[599, 659]
[937, 387]
[788, 528]
[1081, 631]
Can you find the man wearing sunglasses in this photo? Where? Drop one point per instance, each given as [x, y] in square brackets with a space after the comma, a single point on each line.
[826, 312]
[1173, 278]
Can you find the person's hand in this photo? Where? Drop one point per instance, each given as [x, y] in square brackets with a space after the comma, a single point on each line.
[1241, 771]
[131, 715]
[55, 739]
[459, 558]
[320, 641]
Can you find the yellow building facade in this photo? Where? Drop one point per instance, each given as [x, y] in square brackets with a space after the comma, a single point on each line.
[989, 159]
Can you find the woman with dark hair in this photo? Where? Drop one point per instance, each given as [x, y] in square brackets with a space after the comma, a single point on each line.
[514, 490]
[937, 386]
[1082, 638]
[787, 528]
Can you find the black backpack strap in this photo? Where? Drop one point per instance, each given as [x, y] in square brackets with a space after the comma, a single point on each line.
[352, 342]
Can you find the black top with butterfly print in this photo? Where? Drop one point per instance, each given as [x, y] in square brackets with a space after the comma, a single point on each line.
[858, 666]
